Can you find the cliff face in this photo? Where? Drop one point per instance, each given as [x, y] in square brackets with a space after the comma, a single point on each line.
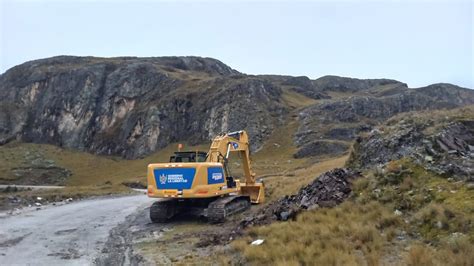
[134, 106]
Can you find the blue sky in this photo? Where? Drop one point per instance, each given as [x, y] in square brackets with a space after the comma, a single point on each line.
[417, 42]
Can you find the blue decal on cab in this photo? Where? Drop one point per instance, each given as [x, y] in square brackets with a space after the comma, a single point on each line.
[215, 175]
[174, 178]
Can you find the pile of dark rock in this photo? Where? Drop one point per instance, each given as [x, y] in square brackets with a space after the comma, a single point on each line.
[328, 190]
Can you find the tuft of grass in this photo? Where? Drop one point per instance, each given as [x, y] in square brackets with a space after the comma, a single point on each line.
[419, 256]
[457, 251]
[395, 173]
[437, 221]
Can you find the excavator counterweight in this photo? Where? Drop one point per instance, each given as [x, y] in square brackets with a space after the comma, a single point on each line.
[200, 183]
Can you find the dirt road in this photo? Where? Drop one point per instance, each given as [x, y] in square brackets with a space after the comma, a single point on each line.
[72, 234]
[30, 187]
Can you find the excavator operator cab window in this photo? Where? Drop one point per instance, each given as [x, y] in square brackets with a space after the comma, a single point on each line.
[188, 157]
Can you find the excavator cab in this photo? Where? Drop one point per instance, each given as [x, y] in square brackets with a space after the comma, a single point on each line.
[188, 156]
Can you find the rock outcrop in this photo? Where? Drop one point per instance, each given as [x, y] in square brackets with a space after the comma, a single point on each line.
[442, 142]
[343, 84]
[132, 107]
[343, 119]
[306, 87]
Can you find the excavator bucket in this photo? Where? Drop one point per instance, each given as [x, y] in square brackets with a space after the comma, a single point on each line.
[255, 191]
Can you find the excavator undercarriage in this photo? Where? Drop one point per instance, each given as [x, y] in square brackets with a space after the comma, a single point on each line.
[215, 210]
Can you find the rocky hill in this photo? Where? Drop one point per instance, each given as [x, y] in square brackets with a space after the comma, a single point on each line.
[132, 107]
[338, 121]
[440, 141]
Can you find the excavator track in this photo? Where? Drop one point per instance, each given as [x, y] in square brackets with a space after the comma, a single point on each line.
[221, 208]
[162, 211]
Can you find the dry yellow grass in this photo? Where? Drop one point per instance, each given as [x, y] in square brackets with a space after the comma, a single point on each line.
[87, 169]
[294, 99]
[435, 226]
[351, 234]
[457, 252]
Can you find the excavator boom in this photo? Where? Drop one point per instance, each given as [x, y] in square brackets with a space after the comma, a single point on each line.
[237, 142]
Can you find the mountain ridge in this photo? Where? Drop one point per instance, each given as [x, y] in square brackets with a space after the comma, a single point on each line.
[131, 106]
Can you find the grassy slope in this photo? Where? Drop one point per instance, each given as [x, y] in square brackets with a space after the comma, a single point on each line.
[87, 169]
[92, 175]
[435, 225]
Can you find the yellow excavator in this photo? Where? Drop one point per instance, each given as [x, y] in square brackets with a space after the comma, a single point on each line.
[200, 183]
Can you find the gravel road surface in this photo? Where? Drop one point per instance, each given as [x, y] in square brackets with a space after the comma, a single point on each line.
[71, 234]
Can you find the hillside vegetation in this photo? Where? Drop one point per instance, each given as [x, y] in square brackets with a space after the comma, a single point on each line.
[400, 212]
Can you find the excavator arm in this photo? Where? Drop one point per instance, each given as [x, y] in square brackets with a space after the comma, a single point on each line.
[237, 142]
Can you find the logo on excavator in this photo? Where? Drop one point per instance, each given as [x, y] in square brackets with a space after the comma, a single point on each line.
[235, 145]
[216, 176]
[163, 179]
